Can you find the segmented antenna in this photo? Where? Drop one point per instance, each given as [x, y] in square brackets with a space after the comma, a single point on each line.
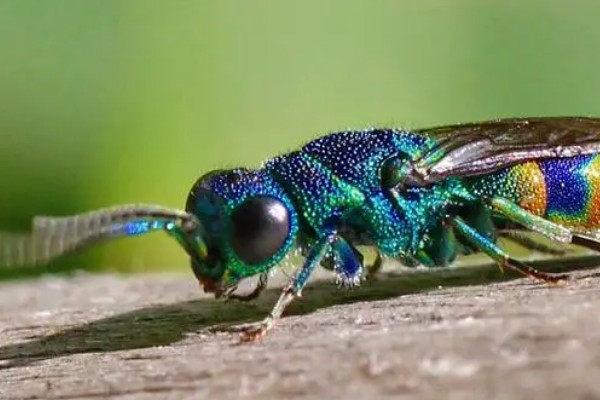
[53, 236]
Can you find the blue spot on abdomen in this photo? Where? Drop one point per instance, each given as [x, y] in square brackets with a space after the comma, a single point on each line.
[566, 186]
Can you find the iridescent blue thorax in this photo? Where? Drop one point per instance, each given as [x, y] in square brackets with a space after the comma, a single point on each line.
[335, 184]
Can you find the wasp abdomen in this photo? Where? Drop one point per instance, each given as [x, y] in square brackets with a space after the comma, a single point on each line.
[562, 190]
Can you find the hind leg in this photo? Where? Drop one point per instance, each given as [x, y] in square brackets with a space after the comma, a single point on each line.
[486, 246]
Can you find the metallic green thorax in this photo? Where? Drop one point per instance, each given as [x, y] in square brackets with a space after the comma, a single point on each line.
[336, 184]
[333, 184]
[363, 187]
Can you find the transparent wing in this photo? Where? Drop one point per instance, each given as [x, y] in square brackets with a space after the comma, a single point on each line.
[51, 237]
[483, 147]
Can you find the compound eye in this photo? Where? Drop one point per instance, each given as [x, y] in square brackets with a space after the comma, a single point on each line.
[260, 226]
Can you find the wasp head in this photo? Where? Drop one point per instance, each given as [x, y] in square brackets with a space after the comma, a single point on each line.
[248, 224]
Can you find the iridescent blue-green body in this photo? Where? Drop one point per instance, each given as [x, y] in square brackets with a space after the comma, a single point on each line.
[336, 183]
[419, 196]
[353, 184]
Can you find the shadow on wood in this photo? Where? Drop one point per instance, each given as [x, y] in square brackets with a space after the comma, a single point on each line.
[166, 324]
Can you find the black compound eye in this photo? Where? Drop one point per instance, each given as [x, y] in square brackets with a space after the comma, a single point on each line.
[260, 226]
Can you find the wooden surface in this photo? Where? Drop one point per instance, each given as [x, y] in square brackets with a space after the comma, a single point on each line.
[408, 336]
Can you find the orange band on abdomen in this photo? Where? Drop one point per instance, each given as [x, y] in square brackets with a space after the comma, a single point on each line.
[530, 187]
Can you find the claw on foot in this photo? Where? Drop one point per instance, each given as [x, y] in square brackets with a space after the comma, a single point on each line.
[534, 274]
[557, 280]
[253, 334]
[241, 328]
[250, 332]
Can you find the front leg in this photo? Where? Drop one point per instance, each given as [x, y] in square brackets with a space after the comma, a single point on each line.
[345, 261]
[294, 289]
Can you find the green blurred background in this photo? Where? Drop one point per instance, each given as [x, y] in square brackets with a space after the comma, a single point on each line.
[105, 102]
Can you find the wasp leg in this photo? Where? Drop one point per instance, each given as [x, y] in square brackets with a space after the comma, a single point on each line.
[479, 216]
[441, 248]
[375, 268]
[538, 224]
[420, 259]
[408, 260]
[261, 285]
[533, 222]
[521, 238]
[423, 259]
[348, 263]
[586, 241]
[293, 290]
[496, 253]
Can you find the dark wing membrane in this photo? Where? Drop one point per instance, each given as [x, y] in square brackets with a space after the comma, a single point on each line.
[484, 147]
